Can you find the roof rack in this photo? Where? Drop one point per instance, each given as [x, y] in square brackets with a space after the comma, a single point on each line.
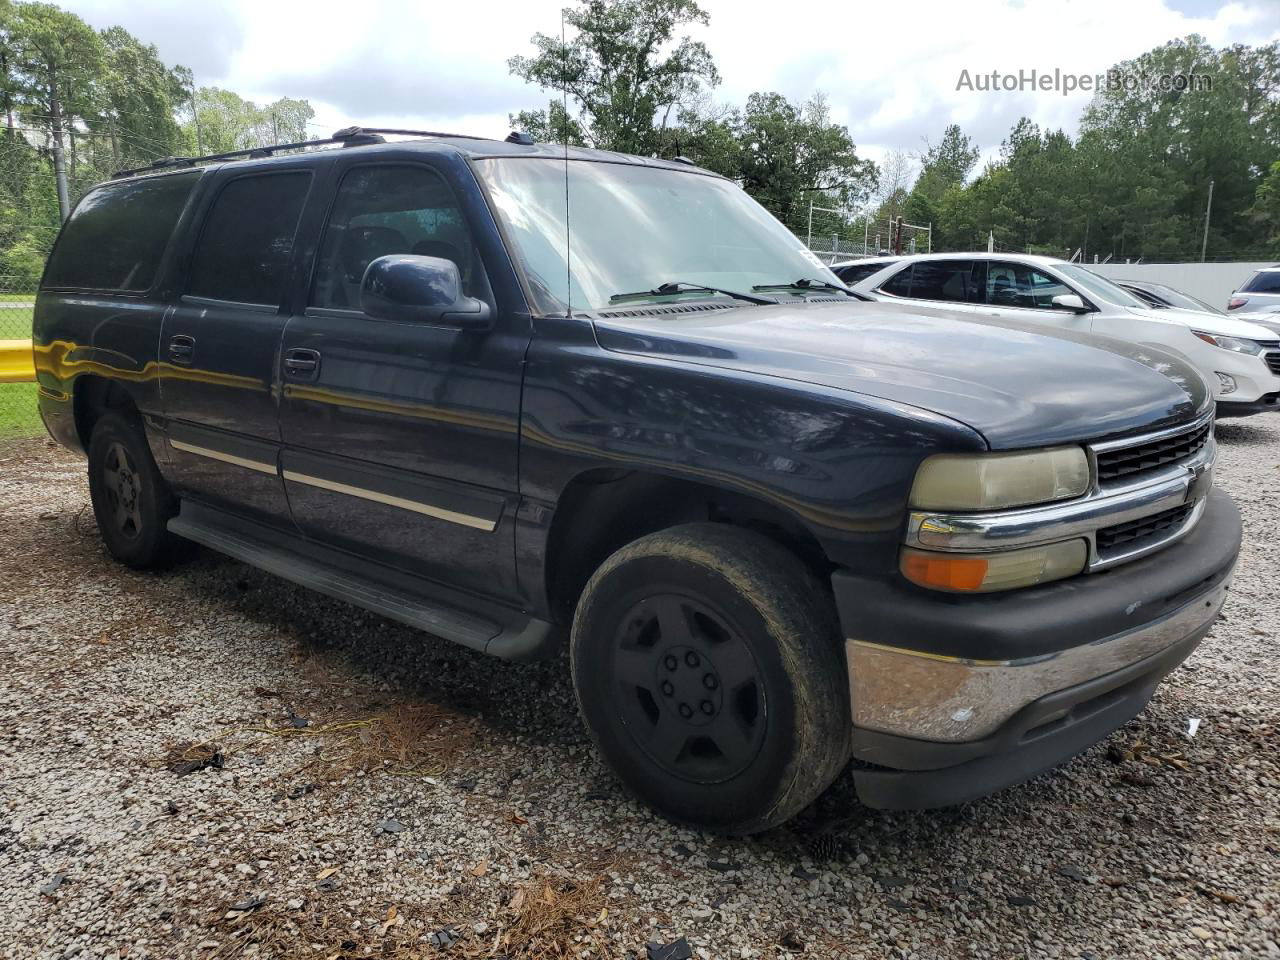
[347, 136]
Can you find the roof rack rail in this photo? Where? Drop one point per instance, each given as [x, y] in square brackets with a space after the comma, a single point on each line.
[347, 136]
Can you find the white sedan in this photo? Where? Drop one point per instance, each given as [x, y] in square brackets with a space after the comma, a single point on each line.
[1240, 360]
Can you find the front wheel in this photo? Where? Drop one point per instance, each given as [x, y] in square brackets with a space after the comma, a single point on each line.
[709, 670]
[131, 501]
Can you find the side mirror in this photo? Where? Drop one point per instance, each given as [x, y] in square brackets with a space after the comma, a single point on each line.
[1070, 301]
[412, 289]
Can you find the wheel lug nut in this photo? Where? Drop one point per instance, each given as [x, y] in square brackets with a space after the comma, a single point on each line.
[667, 688]
[691, 659]
[686, 711]
[709, 681]
[670, 662]
[708, 707]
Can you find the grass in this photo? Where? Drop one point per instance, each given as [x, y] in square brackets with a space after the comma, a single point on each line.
[19, 416]
[15, 322]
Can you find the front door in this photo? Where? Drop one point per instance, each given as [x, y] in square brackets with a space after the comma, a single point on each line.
[220, 342]
[400, 438]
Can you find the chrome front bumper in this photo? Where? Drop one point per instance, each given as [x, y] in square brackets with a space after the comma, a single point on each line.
[928, 696]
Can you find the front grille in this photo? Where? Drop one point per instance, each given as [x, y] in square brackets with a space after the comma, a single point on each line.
[1273, 362]
[1136, 534]
[1126, 461]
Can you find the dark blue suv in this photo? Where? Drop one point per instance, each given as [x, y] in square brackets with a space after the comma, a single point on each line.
[516, 395]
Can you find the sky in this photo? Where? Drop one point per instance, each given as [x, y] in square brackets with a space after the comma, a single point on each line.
[890, 71]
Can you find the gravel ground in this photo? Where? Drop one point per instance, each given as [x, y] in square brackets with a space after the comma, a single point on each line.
[214, 763]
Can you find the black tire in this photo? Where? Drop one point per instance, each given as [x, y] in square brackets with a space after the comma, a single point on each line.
[709, 670]
[131, 501]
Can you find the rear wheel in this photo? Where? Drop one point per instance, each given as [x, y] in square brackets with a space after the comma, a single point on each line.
[709, 670]
[131, 501]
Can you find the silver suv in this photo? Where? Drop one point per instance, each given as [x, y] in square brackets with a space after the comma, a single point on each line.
[1259, 294]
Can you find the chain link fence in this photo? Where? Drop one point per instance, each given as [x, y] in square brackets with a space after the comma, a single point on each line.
[18, 414]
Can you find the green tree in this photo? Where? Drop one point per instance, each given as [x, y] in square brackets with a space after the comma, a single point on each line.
[1171, 142]
[788, 151]
[1265, 212]
[625, 68]
[58, 61]
[552, 125]
[140, 97]
[229, 122]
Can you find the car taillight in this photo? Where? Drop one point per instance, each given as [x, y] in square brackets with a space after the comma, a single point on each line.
[1236, 302]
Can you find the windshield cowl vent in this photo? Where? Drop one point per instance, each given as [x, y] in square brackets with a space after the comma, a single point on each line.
[659, 310]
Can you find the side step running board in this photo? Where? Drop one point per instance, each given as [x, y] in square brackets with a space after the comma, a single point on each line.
[498, 631]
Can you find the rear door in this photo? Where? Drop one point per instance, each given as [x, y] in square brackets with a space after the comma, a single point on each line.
[400, 438]
[220, 343]
[1018, 291]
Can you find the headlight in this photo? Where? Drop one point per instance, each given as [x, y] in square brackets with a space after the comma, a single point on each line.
[994, 481]
[1234, 344]
[984, 572]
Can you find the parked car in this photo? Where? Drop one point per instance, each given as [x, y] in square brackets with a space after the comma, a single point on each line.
[852, 271]
[1259, 294]
[779, 527]
[1162, 295]
[1240, 360]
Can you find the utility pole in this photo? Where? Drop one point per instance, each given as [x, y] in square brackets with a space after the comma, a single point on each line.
[808, 241]
[195, 116]
[59, 158]
[1204, 244]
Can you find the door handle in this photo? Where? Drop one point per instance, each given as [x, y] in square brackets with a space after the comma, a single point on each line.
[302, 364]
[182, 348]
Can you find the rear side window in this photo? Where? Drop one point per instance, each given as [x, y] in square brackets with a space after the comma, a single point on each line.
[244, 248]
[949, 280]
[1264, 281]
[115, 238]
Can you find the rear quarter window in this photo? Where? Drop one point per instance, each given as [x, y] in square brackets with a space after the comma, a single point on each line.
[118, 233]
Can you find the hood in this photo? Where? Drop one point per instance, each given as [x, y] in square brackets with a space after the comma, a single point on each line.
[1217, 323]
[1017, 385]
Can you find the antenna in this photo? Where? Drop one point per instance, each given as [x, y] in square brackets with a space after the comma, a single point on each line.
[564, 137]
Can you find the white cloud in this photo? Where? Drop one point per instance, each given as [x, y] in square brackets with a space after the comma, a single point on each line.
[889, 70]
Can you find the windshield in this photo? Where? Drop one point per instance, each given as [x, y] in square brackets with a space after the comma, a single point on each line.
[1099, 287]
[1177, 298]
[633, 228]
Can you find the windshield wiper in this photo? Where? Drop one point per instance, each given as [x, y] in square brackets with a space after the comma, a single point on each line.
[681, 286]
[804, 283]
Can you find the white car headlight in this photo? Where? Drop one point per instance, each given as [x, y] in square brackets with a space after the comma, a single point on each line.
[1234, 344]
[995, 481]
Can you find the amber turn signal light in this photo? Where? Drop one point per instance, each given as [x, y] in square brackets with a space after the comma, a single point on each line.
[943, 571]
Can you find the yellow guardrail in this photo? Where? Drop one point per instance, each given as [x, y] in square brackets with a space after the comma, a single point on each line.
[16, 365]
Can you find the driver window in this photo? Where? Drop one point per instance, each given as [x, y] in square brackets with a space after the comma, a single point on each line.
[384, 210]
[1017, 285]
[1044, 288]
